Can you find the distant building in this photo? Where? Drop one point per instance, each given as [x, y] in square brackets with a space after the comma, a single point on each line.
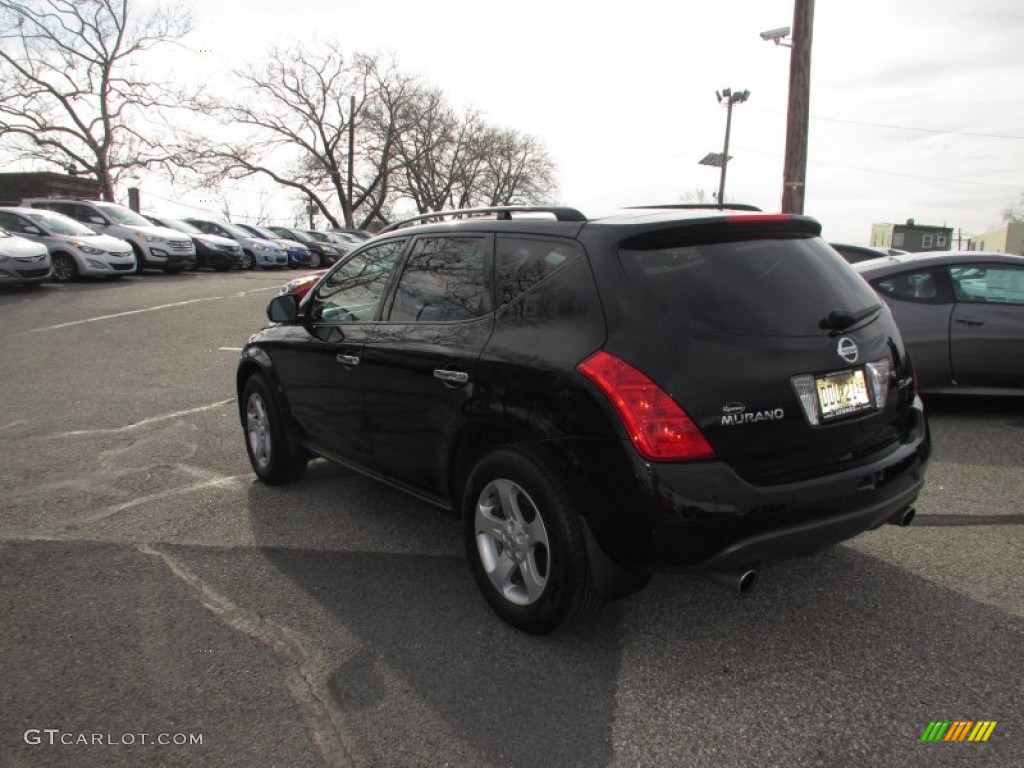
[14, 187]
[1008, 238]
[911, 237]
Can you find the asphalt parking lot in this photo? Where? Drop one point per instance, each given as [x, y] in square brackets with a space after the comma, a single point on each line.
[151, 591]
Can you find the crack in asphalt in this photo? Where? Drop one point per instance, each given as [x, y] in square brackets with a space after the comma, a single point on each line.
[306, 671]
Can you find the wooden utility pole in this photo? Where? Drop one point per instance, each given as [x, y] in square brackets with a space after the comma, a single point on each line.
[795, 169]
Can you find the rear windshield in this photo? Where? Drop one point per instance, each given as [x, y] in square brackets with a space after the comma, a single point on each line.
[767, 287]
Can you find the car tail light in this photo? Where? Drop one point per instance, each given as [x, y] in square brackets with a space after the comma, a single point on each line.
[659, 428]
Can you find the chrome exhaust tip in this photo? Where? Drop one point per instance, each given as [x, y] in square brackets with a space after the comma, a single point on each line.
[741, 581]
[903, 518]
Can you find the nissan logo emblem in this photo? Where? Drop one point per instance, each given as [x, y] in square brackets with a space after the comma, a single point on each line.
[847, 349]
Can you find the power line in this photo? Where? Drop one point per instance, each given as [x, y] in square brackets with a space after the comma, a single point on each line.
[889, 173]
[901, 127]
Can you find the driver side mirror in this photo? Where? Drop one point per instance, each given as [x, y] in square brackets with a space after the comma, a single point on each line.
[28, 229]
[98, 220]
[283, 309]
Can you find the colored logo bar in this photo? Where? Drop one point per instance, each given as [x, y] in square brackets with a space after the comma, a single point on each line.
[958, 730]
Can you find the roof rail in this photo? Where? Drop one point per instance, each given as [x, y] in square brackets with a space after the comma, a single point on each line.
[502, 213]
[692, 206]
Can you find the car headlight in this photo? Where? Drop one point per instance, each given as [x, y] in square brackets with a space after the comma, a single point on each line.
[152, 238]
[260, 247]
[91, 250]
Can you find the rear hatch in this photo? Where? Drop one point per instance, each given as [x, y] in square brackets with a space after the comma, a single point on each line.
[783, 356]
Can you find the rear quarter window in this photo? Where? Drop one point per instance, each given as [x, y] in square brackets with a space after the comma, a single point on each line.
[523, 262]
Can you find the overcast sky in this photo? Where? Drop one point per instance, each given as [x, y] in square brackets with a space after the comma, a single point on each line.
[915, 104]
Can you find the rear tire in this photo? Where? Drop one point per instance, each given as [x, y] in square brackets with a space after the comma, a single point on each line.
[275, 456]
[524, 542]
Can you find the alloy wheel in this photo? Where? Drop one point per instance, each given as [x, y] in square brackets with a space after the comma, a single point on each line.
[512, 542]
[257, 427]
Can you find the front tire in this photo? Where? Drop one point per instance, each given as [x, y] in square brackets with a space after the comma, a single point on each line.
[247, 260]
[524, 542]
[140, 260]
[275, 457]
[65, 269]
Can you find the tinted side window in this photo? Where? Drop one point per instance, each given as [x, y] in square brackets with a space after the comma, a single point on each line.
[353, 291]
[521, 263]
[1000, 284]
[443, 281]
[919, 285]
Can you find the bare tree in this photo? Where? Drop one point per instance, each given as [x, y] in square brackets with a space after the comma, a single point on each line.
[1015, 211]
[518, 168]
[70, 91]
[453, 162]
[699, 196]
[292, 124]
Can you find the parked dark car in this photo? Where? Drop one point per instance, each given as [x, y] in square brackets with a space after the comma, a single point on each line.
[961, 314]
[694, 390]
[324, 252]
[213, 251]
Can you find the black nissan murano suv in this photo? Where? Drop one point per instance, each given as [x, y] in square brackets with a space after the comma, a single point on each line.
[691, 389]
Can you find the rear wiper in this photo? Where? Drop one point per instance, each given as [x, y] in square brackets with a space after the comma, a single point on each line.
[839, 320]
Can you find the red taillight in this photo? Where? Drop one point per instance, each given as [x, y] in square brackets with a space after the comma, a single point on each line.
[659, 428]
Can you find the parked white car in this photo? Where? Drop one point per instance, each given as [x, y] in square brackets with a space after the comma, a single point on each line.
[22, 262]
[154, 247]
[75, 250]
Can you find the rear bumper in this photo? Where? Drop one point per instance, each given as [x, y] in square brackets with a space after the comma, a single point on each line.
[704, 518]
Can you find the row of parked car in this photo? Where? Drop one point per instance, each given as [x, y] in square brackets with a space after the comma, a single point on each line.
[65, 239]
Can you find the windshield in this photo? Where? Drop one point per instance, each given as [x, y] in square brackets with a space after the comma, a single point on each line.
[266, 234]
[124, 216]
[59, 224]
[182, 226]
[320, 237]
[764, 287]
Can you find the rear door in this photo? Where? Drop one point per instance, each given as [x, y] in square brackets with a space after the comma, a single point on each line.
[419, 365]
[987, 328]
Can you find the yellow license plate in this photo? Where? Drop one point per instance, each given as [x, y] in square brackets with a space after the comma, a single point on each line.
[840, 394]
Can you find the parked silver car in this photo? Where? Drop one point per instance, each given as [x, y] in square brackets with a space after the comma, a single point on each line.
[22, 262]
[961, 315]
[75, 250]
[155, 247]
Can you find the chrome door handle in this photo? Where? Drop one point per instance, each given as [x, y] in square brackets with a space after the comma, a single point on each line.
[451, 377]
[347, 360]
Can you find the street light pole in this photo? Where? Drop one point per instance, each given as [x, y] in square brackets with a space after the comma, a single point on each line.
[729, 98]
[795, 168]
